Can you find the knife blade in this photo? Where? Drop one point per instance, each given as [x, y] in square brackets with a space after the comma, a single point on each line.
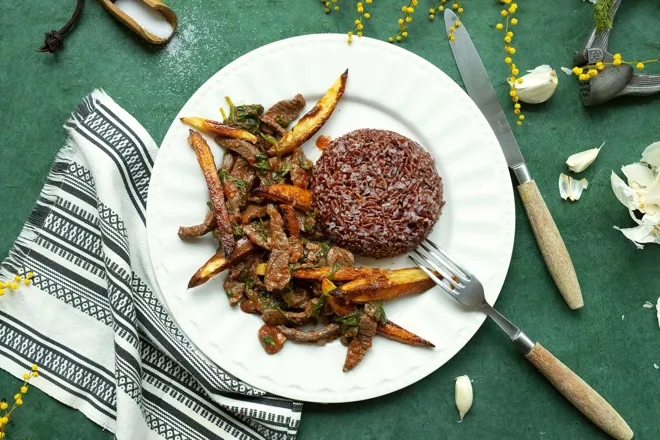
[481, 91]
[478, 86]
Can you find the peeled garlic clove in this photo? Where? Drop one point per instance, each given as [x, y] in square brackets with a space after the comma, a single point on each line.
[567, 71]
[579, 162]
[570, 188]
[537, 86]
[464, 395]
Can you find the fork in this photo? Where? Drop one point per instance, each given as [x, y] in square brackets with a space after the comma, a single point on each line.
[464, 287]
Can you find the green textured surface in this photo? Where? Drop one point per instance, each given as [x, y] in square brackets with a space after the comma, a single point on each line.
[512, 401]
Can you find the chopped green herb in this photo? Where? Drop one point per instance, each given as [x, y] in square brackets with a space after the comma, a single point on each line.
[225, 176]
[325, 249]
[350, 320]
[268, 340]
[224, 115]
[333, 271]
[304, 163]
[271, 140]
[244, 275]
[237, 231]
[244, 112]
[261, 162]
[280, 120]
[283, 171]
[380, 313]
[232, 109]
[249, 284]
[318, 306]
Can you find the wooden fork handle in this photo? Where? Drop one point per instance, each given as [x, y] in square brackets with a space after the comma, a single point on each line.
[579, 393]
[551, 244]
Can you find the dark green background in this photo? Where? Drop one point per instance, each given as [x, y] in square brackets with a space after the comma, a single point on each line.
[512, 401]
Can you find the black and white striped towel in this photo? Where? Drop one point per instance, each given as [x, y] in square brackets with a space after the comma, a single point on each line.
[93, 319]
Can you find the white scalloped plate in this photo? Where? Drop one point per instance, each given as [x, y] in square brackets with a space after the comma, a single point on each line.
[389, 88]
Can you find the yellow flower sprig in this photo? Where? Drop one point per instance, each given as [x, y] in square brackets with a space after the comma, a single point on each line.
[590, 70]
[18, 400]
[459, 11]
[362, 14]
[406, 18]
[439, 8]
[16, 283]
[330, 6]
[509, 50]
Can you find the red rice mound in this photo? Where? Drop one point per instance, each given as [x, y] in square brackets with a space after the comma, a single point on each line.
[376, 193]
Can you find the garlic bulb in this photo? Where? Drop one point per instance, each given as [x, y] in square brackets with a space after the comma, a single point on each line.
[579, 162]
[463, 391]
[537, 86]
[641, 194]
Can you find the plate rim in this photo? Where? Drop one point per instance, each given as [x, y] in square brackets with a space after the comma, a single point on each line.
[386, 387]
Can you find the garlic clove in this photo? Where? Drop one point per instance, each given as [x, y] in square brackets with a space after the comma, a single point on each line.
[567, 71]
[537, 86]
[657, 308]
[652, 155]
[464, 395]
[639, 174]
[570, 188]
[579, 162]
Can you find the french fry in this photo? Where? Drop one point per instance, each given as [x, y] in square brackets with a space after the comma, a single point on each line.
[291, 195]
[389, 285]
[342, 274]
[220, 128]
[218, 263]
[207, 164]
[327, 287]
[309, 124]
[397, 333]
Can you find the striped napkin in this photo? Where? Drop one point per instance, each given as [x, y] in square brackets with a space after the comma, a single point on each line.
[94, 320]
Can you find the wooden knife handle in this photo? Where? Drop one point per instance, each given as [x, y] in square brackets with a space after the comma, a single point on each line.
[551, 244]
[579, 393]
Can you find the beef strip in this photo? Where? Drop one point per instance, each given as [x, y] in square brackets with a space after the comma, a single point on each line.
[299, 176]
[287, 110]
[235, 291]
[297, 298]
[243, 148]
[249, 306]
[252, 212]
[279, 317]
[327, 333]
[278, 274]
[293, 228]
[367, 328]
[274, 317]
[271, 126]
[198, 230]
[340, 256]
[228, 161]
[257, 237]
[271, 339]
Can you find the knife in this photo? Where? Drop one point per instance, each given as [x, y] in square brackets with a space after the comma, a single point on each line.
[481, 91]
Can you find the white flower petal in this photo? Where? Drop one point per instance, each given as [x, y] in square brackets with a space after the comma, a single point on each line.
[657, 307]
[652, 155]
[641, 234]
[567, 71]
[639, 173]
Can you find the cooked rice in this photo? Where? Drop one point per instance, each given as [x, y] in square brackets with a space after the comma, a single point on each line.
[377, 193]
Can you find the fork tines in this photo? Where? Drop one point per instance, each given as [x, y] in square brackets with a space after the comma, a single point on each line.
[453, 275]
